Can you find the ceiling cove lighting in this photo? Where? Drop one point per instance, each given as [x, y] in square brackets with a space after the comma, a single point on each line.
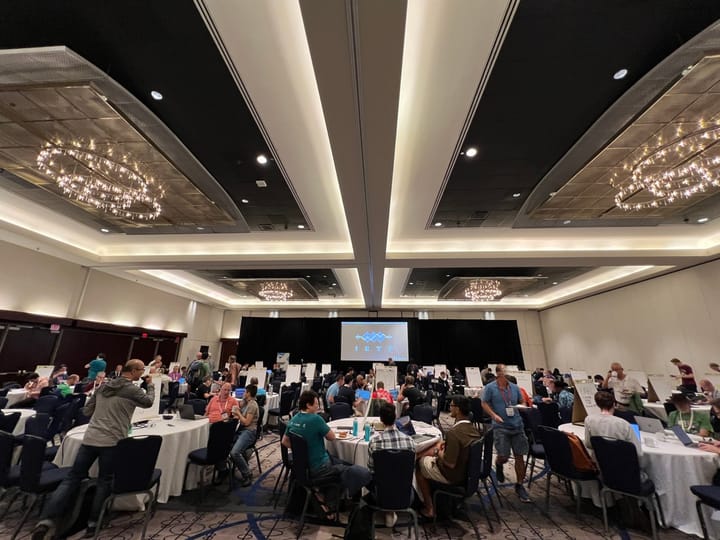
[262, 159]
[275, 291]
[157, 96]
[471, 152]
[671, 170]
[516, 195]
[483, 290]
[620, 74]
[110, 183]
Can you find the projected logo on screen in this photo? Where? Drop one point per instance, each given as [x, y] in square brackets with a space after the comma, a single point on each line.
[373, 341]
[372, 337]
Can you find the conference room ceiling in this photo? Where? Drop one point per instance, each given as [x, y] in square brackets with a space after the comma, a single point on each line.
[364, 112]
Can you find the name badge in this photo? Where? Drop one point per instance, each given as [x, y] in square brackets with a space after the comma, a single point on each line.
[224, 416]
[509, 411]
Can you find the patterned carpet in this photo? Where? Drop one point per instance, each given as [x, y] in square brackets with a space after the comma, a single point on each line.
[247, 513]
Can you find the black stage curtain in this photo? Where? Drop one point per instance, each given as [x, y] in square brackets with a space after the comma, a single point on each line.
[454, 342]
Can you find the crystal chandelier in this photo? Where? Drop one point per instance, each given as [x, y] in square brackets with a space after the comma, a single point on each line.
[673, 170]
[483, 290]
[115, 185]
[275, 291]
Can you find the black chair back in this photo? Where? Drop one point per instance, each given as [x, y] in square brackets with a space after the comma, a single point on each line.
[487, 456]
[259, 425]
[31, 463]
[198, 405]
[301, 459]
[549, 414]
[9, 421]
[476, 464]
[558, 452]
[7, 447]
[47, 404]
[276, 386]
[220, 441]
[628, 416]
[12, 385]
[422, 413]
[286, 402]
[476, 408]
[284, 452]
[340, 410]
[173, 392]
[618, 462]
[261, 400]
[3, 402]
[532, 420]
[38, 425]
[393, 477]
[134, 463]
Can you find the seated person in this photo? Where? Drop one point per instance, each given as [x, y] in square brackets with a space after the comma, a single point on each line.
[332, 391]
[715, 417]
[67, 387]
[709, 391]
[100, 379]
[247, 416]
[412, 394]
[447, 462]
[558, 393]
[220, 408]
[345, 392]
[381, 393]
[205, 390]
[311, 427]
[58, 375]
[690, 420]
[606, 424]
[260, 391]
[33, 386]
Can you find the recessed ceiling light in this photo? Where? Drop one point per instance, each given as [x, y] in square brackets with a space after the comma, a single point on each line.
[261, 183]
[200, 228]
[516, 195]
[555, 282]
[552, 194]
[687, 69]
[447, 275]
[411, 283]
[620, 74]
[438, 223]
[539, 275]
[324, 275]
[567, 222]
[334, 284]
[301, 226]
[471, 152]
[308, 277]
[244, 201]
[702, 220]
[262, 159]
[105, 230]
[157, 96]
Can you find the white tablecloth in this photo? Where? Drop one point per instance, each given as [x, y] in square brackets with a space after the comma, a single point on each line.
[673, 468]
[180, 437]
[473, 391]
[272, 401]
[15, 395]
[355, 449]
[24, 415]
[658, 409]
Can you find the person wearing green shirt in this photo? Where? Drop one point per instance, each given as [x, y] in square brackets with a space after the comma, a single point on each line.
[690, 420]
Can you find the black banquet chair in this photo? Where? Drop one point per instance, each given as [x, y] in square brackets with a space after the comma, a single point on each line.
[340, 410]
[258, 436]
[3, 402]
[285, 467]
[286, 401]
[558, 456]
[393, 489]
[709, 496]
[472, 486]
[531, 419]
[198, 405]
[301, 477]
[423, 413]
[620, 472]
[9, 421]
[135, 474]
[216, 452]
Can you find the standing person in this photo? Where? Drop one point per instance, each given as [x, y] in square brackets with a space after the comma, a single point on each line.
[500, 400]
[381, 393]
[234, 369]
[247, 417]
[411, 393]
[686, 375]
[447, 462]
[95, 366]
[157, 363]
[622, 385]
[443, 388]
[110, 410]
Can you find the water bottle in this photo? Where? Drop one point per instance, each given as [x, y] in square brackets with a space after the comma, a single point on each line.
[355, 427]
[368, 429]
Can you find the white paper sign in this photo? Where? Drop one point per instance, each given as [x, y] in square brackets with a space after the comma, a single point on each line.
[153, 411]
[310, 371]
[585, 391]
[260, 373]
[439, 368]
[260, 364]
[524, 380]
[292, 374]
[326, 369]
[388, 376]
[639, 376]
[663, 386]
[44, 371]
[474, 379]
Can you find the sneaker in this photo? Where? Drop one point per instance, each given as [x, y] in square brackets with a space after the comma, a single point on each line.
[522, 493]
[42, 531]
[246, 481]
[499, 473]
[89, 532]
[390, 519]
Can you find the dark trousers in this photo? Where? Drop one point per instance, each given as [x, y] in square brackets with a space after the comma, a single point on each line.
[64, 496]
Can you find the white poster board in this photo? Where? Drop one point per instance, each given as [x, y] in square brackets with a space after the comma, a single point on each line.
[260, 364]
[309, 371]
[388, 376]
[524, 380]
[44, 371]
[430, 370]
[510, 367]
[438, 368]
[260, 373]
[473, 377]
[326, 369]
[492, 367]
[578, 375]
[639, 376]
[660, 387]
[283, 358]
[140, 414]
[584, 403]
[292, 374]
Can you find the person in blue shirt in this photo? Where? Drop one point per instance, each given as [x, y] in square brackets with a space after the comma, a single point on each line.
[500, 400]
[558, 393]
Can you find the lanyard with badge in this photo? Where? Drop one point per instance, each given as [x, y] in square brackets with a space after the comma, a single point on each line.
[509, 409]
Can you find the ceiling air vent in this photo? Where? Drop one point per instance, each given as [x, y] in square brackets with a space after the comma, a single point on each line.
[266, 227]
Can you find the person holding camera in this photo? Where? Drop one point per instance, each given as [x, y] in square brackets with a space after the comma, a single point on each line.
[622, 385]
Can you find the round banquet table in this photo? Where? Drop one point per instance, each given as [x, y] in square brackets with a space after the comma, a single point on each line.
[355, 449]
[24, 415]
[673, 468]
[473, 391]
[15, 395]
[179, 438]
[658, 409]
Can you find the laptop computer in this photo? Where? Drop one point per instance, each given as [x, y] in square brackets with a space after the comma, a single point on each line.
[649, 425]
[188, 413]
[683, 437]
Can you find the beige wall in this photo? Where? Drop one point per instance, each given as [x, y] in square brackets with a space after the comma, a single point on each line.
[642, 326]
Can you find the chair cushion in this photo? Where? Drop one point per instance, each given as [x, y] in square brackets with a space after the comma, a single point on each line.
[274, 412]
[537, 450]
[50, 478]
[709, 495]
[585, 475]
[14, 473]
[199, 456]
[51, 452]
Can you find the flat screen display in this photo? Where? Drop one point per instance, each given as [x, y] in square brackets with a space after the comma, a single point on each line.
[373, 341]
